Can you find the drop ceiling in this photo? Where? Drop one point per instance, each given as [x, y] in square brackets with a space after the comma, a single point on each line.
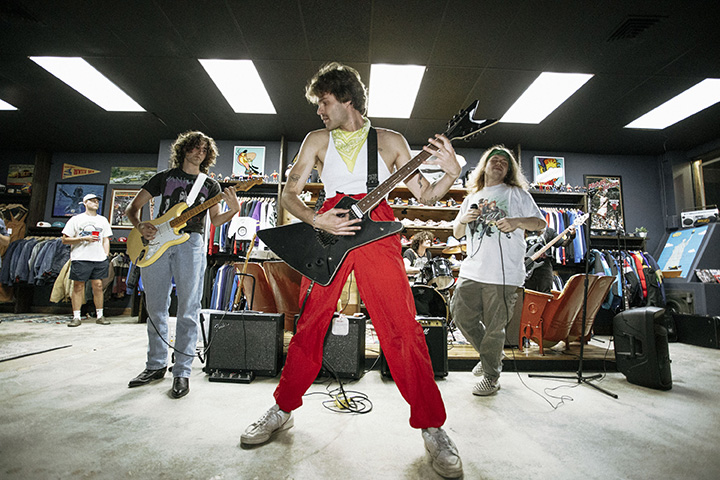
[641, 53]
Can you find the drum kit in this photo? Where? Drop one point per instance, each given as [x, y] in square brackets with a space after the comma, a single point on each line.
[431, 289]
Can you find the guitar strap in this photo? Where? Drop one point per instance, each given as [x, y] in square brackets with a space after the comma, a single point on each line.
[372, 159]
[195, 189]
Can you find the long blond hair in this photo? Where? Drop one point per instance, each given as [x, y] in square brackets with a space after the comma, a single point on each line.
[514, 177]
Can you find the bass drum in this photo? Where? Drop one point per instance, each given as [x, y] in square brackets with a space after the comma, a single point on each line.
[438, 273]
[429, 302]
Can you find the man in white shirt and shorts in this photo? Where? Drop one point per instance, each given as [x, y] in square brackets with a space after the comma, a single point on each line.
[88, 235]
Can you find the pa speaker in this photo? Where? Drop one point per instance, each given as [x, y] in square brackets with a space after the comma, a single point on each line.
[245, 342]
[435, 330]
[641, 347]
[344, 351]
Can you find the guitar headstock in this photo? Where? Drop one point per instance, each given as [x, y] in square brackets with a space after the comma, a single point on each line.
[463, 126]
[247, 184]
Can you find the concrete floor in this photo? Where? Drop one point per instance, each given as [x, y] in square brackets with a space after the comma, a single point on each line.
[68, 413]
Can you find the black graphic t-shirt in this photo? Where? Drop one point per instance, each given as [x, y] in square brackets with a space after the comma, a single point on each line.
[173, 186]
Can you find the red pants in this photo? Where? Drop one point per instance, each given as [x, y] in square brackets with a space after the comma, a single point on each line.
[384, 288]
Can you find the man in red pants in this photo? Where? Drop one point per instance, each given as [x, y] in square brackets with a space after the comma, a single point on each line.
[340, 153]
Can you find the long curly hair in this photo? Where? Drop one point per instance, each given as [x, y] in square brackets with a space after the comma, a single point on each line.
[186, 142]
[514, 177]
[417, 239]
[340, 80]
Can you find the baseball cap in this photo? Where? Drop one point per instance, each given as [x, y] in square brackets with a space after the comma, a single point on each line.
[89, 196]
[42, 224]
[58, 224]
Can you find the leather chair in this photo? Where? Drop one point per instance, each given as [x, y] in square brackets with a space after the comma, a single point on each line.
[546, 318]
[596, 296]
[285, 285]
[262, 298]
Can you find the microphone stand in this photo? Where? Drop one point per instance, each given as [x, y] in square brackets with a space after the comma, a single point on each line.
[579, 377]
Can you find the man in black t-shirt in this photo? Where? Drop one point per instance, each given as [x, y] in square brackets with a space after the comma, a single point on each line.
[184, 264]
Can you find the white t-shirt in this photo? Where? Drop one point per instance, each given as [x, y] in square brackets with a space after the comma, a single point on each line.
[493, 256]
[83, 225]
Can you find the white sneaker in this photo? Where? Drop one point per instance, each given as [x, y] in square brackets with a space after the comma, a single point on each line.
[273, 421]
[486, 387]
[478, 370]
[445, 459]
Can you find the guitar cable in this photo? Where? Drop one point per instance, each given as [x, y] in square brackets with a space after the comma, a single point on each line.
[562, 398]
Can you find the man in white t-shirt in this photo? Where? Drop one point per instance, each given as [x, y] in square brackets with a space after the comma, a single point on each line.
[88, 235]
[494, 216]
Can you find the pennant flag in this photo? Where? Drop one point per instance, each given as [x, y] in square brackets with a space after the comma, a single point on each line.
[70, 171]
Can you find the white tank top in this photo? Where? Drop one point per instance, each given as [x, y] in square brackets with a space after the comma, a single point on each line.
[337, 178]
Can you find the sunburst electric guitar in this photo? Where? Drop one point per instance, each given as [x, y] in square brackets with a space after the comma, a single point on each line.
[319, 254]
[144, 252]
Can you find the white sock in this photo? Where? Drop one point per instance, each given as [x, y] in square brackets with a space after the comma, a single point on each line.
[99, 312]
[76, 314]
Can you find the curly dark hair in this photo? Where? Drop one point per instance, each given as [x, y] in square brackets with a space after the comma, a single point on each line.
[340, 80]
[419, 238]
[186, 142]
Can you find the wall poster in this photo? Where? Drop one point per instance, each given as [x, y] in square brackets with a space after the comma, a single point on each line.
[605, 202]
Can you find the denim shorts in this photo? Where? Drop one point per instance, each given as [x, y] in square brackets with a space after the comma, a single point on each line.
[83, 270]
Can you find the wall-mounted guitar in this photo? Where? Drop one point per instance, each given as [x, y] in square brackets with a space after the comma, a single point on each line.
[538, 249]
[144, 253]
[318, 254]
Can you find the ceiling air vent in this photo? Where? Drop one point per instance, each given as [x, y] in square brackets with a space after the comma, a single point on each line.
[634, 26]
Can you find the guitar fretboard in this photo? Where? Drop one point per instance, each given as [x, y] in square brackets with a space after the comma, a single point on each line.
[369, 202]
[188, 214]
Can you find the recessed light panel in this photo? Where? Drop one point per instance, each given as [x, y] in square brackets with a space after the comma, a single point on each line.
[6, 106]
[393, 89]
[240, 84]
[543, 96]
[86, 80]
[690, 102]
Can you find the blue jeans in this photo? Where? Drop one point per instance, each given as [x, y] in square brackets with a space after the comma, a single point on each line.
[185, 263]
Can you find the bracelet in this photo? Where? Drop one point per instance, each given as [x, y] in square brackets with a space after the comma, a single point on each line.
[313, 220]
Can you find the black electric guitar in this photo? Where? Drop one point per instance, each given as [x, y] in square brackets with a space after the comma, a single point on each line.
[538, 249]
[319, 254]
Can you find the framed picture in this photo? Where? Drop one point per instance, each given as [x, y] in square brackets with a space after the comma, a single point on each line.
[131, 175]
[248, 161]
[549, 171]
[605, 202]
[120, 200]
[68, 198]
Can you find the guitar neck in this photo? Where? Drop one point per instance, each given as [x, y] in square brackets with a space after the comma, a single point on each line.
[188, 214]
[369, 202]
[552, 242]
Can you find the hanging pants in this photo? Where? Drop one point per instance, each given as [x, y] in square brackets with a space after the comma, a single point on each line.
[385, 290]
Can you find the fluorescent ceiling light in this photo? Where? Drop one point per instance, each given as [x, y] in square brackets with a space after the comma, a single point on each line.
[691, 101]
[543, 96]
[240, 84]
[6, 106]
[84, 78]
[393, 89]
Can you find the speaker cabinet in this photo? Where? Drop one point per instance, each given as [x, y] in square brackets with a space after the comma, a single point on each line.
[435, 330]
[344, 355]
[641, 347]
[245, 342]
[699, 330]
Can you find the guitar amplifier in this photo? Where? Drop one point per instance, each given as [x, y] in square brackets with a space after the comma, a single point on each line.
[435, 330]
[344, 354]
[245, 342]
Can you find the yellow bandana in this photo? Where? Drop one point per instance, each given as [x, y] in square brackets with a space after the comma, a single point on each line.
[348, 144]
